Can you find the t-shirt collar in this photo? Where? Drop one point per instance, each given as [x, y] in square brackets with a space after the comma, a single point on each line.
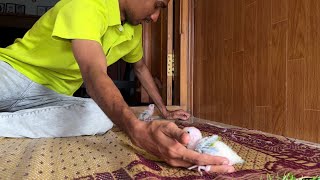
[113, 12]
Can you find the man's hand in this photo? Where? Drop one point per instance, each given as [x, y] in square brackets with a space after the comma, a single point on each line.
[177, 114]
[165, 140]
[147, 81]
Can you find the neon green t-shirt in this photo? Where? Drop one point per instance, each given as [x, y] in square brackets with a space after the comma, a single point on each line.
[45, 55]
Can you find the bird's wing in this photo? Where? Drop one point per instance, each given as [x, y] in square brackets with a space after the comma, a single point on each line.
[206, 145]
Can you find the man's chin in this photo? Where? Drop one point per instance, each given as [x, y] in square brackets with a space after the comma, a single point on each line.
[135, 23]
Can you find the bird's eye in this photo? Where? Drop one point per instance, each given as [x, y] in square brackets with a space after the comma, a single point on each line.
[188, 132]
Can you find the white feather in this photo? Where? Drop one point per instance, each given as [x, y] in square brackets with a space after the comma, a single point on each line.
[224, 150]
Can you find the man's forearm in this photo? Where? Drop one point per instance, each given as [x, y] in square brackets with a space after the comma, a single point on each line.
[92, 63]
[103, 91]
[148, 83]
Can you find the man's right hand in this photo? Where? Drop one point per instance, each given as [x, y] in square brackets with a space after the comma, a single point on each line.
[167, 141]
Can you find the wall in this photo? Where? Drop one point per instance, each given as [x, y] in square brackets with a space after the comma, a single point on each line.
[29, 7]
[257, 65]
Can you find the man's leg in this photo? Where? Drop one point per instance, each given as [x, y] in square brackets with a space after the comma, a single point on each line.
[28, 109]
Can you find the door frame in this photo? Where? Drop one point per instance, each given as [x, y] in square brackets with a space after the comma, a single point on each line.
[186, 54]
[184, 58]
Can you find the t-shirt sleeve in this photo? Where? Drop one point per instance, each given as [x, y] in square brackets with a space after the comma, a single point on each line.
[81, 19]
[136, 54]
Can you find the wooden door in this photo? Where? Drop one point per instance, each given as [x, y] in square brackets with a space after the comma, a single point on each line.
[168, 54]
[155, 42]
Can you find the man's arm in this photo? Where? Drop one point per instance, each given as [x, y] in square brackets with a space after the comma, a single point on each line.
[145, 77]
[93, 67]
[161, 138]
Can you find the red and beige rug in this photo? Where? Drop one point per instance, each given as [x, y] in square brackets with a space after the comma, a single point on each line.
[112, 156]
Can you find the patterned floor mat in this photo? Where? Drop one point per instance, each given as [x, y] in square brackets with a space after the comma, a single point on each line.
[112, 156]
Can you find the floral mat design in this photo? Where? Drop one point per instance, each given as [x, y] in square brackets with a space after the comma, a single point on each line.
[112, 156]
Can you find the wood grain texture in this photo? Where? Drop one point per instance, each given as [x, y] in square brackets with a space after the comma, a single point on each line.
[200, 55]
[262, 116]
[312, 62]
[177, 48]
[218, 44]
[238, 32]
[190, 72]
[310, 130]
[278, 77]
[263, 53]
[249, 64]
[279, 10]
[295, 121]
[237, 89]
[249, 2]
[298, 28]
[228, 18]
[227, 78]
[273, 71]
[184, 55]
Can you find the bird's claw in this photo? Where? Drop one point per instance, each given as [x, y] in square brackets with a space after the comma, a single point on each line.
[201, 168]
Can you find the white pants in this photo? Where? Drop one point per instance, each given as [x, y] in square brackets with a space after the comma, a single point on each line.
[28, 109]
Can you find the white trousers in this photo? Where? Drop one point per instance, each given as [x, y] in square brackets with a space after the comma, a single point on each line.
[28, 109]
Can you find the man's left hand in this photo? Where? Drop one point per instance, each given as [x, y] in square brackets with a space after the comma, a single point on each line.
[177, 114]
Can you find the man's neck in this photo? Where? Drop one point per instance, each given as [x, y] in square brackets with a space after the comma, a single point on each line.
[122, 5]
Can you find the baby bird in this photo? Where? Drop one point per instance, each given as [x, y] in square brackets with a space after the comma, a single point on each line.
[210, 145]
[146, 115]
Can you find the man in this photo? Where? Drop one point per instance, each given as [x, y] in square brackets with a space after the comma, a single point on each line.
[75, 42]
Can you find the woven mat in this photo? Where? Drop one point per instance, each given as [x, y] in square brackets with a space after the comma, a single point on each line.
[112, 156]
